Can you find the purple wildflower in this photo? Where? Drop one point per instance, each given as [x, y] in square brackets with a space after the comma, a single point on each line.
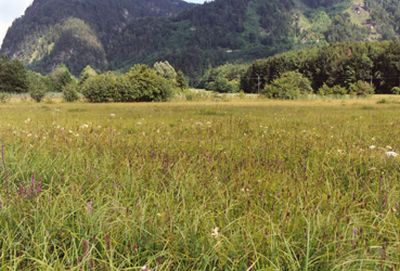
[31, 191]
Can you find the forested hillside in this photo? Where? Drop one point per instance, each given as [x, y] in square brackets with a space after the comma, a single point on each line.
[335, 65]
[76, 32]
[116, 34]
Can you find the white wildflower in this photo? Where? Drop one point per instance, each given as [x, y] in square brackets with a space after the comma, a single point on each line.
[215, 232]
[145, 268]
[391, 154]
[27, 121]
[112, 115]
[372, 147]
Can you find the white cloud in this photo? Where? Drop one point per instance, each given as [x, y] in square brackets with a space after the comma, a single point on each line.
[9, 11]
[3, 30]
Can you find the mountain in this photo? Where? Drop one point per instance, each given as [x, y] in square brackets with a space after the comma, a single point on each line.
[77, 32]
[114, 34]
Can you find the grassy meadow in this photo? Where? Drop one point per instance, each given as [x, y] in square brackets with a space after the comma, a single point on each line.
[235, 185]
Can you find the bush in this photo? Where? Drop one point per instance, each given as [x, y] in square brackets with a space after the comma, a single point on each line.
[60, 77]
[86, 73]
[140, 84]
[37, 94]
[225, 78]
[38, 86]
[5, 97]
[361, 88]
[100, 88]
[70, 93]
[181, 81]
[148, 85]
[109, 87]
[396, 90]
[13, 76]
[335, 90]
[223, 85]
[290, 86]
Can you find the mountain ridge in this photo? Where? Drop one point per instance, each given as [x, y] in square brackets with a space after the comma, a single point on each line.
[191, 37]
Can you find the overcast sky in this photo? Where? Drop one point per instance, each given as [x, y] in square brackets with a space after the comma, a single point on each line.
[12, 9]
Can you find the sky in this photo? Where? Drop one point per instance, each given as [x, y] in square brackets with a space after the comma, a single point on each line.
[12, 9]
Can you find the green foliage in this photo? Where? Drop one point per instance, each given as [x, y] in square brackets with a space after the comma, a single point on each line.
[37, 94]
[165, 70]
[182, 81]
[148, 84]
[103, 88]
[86, 73]
[341, 64]
[289, 86]
[140, 84]
[225, 78]
[39, 85]
[396, 90]
[70, 92]
[77, 33]
[60, 76]
[13, 76]
[5, 97]
[221, 84]
[361, 88]
[168, 72]
[336, 90]
[195, 38]
[342, 29]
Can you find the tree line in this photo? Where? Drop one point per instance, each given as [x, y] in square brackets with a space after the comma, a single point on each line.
[342, 64]
[141, 83]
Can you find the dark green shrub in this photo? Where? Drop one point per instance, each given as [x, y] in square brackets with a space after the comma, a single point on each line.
[223, 85]
[37, 94]
[396, 90]
[361, 88]
[335, 90]
[181, 81]
[164, 69]
[225, 78]
[100, 88]
[60, 77]
[13, 76]
[140, 84]
[5, 97]
[38, 86]
[148, 85]
[290, 86]
[86, 73]
[70, 92]
[109, 87]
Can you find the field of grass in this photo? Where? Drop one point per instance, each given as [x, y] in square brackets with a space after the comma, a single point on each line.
[240, 185]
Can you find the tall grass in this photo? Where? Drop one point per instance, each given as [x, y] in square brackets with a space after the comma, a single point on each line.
[223, 186]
